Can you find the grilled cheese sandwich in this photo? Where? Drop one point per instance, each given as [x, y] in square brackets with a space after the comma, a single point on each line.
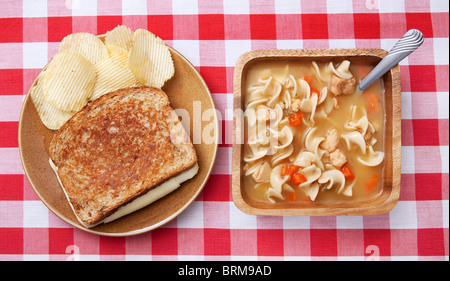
[120, 153]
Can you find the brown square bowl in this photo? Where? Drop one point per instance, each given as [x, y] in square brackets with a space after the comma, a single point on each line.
[389, 195]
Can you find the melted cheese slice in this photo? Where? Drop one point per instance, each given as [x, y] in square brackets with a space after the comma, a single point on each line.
[156, 193]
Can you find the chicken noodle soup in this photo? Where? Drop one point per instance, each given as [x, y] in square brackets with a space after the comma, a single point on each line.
[311, 135]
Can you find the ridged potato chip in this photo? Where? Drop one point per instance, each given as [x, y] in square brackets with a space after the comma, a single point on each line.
[150, 59]
[116, 50]
[52, 117]
[122, 58]
[120, 36]
[85, 68]
[111, 76]
[69, 81]
[119, 54]
[86, 44]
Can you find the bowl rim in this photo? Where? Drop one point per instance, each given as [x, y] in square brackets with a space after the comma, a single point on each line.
[322, 210]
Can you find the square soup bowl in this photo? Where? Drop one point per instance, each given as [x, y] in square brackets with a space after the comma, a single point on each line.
[389, 195]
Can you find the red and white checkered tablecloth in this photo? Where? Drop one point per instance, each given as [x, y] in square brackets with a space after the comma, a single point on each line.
[212, 34]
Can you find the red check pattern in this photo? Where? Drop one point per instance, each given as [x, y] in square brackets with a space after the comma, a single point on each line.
[212, 34]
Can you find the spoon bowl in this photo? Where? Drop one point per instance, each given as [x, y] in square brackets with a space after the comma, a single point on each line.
[404, 47]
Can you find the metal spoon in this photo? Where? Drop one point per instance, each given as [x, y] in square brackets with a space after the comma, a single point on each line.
[405, 46]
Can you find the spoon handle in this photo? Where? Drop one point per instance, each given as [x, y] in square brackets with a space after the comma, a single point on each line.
[405, 46]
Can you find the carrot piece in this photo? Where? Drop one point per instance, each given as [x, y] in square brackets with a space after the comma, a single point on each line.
[298, 179]
[292, 196]
[364, 71]
[348, 174]
[373, 103]
[308, 78]
[292, 169]
[289, 170]
[295, 119]
[372, 182]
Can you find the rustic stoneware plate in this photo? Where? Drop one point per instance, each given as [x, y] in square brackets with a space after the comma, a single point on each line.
[185, 87]
[391, 183]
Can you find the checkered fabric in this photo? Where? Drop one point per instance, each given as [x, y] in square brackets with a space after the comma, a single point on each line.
[212, 34]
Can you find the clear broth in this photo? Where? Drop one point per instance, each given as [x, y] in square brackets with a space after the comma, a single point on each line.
[280, 70]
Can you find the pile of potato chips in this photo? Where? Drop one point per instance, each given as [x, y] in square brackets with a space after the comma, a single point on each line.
[85, 68]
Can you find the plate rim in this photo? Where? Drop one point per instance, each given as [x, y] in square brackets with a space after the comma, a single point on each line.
[145, 229]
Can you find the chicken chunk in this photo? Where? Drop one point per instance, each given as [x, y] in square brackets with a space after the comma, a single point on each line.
[368, 137]
[338, 158]
[340, 86]
[263, 173]
[331, 142]
[265, 113]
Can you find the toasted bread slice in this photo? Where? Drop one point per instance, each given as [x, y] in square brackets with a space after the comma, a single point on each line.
[117, 148]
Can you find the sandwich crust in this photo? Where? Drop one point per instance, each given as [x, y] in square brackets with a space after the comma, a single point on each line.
[117, 148]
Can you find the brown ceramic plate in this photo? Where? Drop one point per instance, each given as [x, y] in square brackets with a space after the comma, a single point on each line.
[391, 178]
[183, 89]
